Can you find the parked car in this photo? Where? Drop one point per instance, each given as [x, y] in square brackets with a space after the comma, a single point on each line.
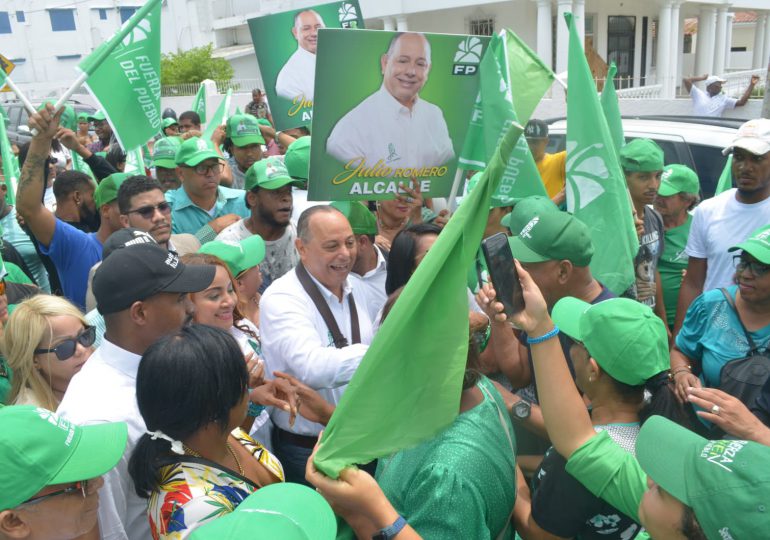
[693, 141]
[18, 131]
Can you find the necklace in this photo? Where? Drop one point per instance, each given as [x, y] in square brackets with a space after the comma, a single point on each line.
[230, 449]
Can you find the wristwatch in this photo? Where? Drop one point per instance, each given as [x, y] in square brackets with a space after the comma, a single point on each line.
[521, 411]
[390, 531]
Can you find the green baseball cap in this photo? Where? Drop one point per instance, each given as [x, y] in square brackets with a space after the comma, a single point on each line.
[527, 208]
[641, 155]
[243, 129]
[361, 220]
[498, 199]
[194, 150]
[678, 179]
[164, 152]
[726, 483]
[170, 121]
[264, 122]
[97, 116]
[82, 117]
[240, 256]
[297, 158]
[284, 510]
[39, 449]
[269, 173]
[553, 236]
[758, 245]
[107, 190]
[624, 336]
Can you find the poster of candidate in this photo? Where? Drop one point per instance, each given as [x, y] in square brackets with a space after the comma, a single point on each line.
[390, 106]
[285, 45]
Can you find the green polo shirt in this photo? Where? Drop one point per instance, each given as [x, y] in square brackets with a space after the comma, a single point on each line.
[672, 262]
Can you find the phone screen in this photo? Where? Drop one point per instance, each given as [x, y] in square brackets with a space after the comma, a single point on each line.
[503, 273]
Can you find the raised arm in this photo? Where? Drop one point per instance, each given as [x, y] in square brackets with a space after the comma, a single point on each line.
[745, 97]
[99, 166]
[689, 80]
[29, 197]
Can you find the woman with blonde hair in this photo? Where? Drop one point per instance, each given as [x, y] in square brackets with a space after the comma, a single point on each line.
[47, 341]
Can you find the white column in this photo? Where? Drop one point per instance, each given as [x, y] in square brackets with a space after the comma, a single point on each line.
[721, 37]
[664, 50]
[579, 11]
[562, 35]
[706, 30]
[729, 39]
[401, 24]
[759, 40]
[675, 44]
[766, 56]
[544, 32]
[388, 24]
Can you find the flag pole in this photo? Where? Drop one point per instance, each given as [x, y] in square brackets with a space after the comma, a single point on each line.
[452, 201]
[15, 89]
[71, 90]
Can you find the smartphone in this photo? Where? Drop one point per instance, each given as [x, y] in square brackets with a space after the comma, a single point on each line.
[503, 272]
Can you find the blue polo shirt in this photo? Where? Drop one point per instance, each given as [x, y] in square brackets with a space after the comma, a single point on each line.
[73, 252]
[187, 217]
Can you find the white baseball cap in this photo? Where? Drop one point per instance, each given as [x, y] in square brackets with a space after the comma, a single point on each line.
[714, 79]
[753, 136]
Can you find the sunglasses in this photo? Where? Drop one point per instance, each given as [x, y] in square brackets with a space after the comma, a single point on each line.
[81, 487]
[66, 348]
[148, 211]
[757, 268]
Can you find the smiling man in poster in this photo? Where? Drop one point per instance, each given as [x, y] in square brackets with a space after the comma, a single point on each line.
[394, 126]
[296, 78]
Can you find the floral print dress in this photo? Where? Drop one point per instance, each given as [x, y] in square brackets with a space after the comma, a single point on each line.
[193, 492]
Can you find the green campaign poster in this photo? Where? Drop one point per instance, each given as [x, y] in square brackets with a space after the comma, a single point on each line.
[285, 44]
[391, 106]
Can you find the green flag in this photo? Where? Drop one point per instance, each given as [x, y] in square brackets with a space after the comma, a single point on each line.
[220, 115]
[238, 110]
[11, 171]
[199, 103]
[398, 396]
[611, 108]
[495, 109]
[134, 161]
[79, 165]
[726, 178]
[596, 187]
[124, 77]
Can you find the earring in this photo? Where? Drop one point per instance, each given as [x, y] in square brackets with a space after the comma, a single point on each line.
[591, 378]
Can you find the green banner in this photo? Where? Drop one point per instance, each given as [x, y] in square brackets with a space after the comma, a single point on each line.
[199, 103]
[596, 187]
[403, 112]
[124, 77]
[285, 44]
[611, 108]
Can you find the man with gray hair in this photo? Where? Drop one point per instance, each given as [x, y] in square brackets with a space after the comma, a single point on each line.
[297, 76]
[393, 124]
[315, 326]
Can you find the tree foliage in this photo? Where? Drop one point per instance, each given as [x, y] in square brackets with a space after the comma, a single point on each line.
[193, 66]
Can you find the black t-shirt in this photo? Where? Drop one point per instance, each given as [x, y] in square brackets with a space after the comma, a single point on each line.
[564, 507]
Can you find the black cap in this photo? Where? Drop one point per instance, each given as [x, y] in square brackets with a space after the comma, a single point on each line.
[536, 129]
[140, 271]
[124, 238]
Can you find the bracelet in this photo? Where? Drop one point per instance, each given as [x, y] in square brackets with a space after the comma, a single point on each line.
[544, 337]
[487, 334]
[682, 369]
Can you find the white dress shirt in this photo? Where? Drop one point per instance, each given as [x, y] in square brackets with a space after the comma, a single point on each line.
[105, 391]
[296, 340]
[380, 128]
[373, 285]
[297, 76]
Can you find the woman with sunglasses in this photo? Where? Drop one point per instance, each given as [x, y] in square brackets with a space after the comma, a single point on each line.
[47, 341]
[712, 333]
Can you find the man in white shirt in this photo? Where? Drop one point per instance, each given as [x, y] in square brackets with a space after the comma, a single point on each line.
[730, 217]
[713, 102]
[297, 76]
[298, 340]
[142, 292]
[394, 125]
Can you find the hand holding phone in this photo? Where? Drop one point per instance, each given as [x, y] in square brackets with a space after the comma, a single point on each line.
[502, 271]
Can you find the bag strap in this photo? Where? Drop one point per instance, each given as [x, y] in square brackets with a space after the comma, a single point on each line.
[311, 289]
[731, 303]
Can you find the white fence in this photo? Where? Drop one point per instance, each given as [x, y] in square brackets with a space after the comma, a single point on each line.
[190, 89]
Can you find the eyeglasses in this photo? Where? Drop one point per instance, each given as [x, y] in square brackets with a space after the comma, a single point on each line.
[757, 268]
[66, 348]
[148, 211]
[202, 169]
[81, 487]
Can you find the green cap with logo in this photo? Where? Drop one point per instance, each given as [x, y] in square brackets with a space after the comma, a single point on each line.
[39, 449]
[194, 150]
[361, 220]
[726, 483]
[269, 173]
[757, 245]
[164, 152]
[624, 336]
[243, 129]
[82, 117]
[498, 200]
[170, 121]
[641, 155]
[525, 209]
[240, 256]
[284, 510]
[107, 190]
[553, 236]
[297, 158]
[678, 179]
[97, 116]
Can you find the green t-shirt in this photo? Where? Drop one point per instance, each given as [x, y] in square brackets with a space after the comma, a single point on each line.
[16, 274]
[671, 264]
